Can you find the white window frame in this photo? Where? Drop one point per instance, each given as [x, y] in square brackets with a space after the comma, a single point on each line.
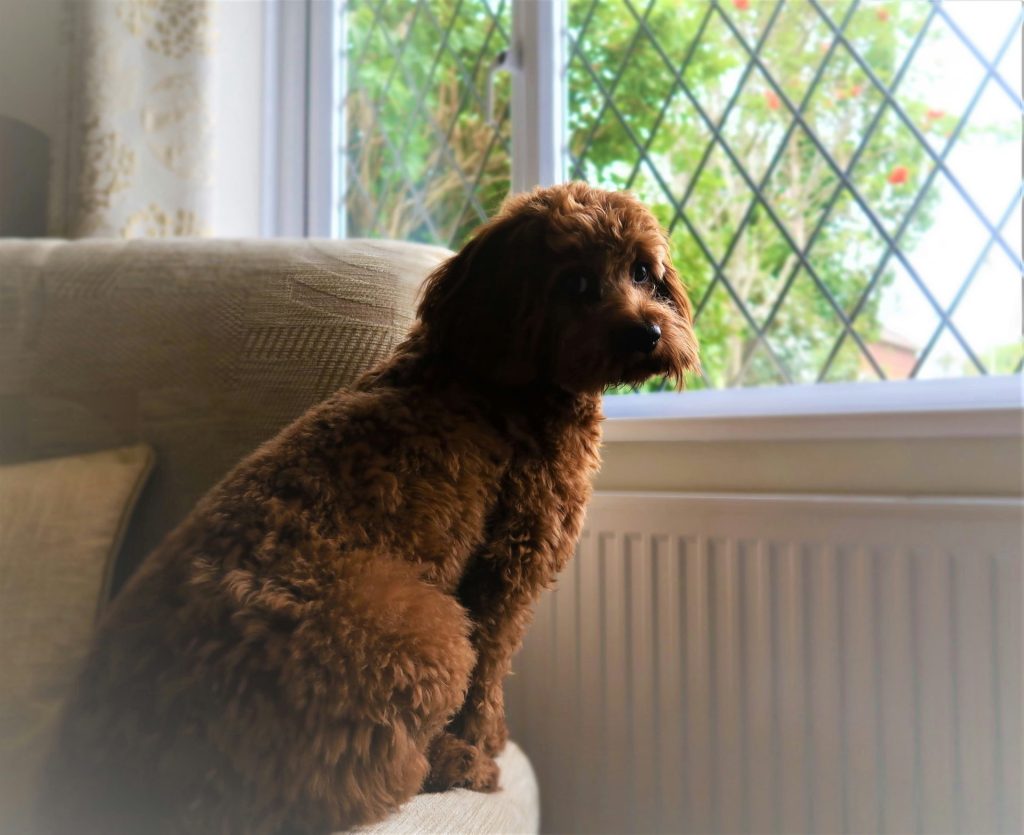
[302, 188]
[303, 121]
[966, 407]
[539, 93]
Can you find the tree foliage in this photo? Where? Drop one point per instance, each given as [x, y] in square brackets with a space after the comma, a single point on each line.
[422, 161]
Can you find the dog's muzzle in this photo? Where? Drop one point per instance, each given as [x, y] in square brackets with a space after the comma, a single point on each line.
[642, 338]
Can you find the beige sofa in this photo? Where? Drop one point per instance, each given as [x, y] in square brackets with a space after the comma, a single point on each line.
[201, 350]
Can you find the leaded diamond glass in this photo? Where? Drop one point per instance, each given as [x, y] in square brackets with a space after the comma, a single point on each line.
[840, 178]
[421, 160]
[812, 159]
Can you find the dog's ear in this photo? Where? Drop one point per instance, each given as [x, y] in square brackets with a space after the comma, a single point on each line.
[480, 307]
[685, 357]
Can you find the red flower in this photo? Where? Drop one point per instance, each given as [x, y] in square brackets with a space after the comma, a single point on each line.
[934, 113]
[899, 175]
[882, 15]
[742, 5]
[856, 90]
[771, 100]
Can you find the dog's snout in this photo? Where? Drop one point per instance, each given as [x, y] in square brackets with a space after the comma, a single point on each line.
[643, 337]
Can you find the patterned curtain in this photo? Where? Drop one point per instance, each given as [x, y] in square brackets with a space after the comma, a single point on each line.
[134, 160]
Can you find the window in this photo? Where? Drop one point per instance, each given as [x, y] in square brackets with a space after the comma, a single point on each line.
[841, 180]
[424, 160]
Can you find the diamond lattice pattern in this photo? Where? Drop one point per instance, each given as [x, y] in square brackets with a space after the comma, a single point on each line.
[422, 160]
[841, 180]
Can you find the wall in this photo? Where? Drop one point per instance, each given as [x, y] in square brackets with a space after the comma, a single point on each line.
[926, 438]
[33, 72]
[33, 84]
[928, 467]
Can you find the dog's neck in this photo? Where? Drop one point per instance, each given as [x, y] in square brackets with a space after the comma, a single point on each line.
[527, 407]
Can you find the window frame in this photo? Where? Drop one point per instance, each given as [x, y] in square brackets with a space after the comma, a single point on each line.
[303, 118]
[957, 407]
[540, 93]
[304, 123]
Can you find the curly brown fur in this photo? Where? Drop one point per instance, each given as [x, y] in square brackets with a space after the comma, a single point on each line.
[328, 631]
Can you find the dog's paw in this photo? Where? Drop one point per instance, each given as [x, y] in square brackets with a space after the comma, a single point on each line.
[493, 741]
[454, 764]
[487, 731]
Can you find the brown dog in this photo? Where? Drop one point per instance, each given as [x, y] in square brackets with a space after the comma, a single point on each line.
[328, 631]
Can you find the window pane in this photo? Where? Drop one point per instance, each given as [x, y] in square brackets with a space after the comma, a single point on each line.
[421, 161]
[841, 181]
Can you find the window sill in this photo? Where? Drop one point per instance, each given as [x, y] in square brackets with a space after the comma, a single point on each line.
[978, 407]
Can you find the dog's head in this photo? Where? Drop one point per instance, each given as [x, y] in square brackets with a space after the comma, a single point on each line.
[568, 285]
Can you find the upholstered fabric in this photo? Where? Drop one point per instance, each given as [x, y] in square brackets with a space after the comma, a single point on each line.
[203, 349]
[512, 810]
[61, 522]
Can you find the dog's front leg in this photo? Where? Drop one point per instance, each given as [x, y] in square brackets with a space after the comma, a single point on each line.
[499, 589]
[500, 607]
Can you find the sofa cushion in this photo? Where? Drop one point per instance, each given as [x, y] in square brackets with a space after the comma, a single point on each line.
[514, 809]
[61, 522]
[201, 348]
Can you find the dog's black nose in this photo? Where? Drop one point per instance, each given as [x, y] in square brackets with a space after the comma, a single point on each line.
[641, 338]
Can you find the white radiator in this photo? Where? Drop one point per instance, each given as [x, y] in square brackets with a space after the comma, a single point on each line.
[779, 664]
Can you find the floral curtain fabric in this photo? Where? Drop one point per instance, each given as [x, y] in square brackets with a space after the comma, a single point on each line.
[134, 160]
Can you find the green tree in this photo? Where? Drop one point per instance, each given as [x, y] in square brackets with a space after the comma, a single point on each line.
[415, 81]
[422, 161]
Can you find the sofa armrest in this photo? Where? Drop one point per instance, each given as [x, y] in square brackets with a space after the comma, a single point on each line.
[202, 349]
[513, 809]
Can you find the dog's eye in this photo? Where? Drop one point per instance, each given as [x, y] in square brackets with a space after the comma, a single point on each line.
[641, 273]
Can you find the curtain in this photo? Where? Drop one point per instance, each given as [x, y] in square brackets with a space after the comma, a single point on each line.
[134, 160]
